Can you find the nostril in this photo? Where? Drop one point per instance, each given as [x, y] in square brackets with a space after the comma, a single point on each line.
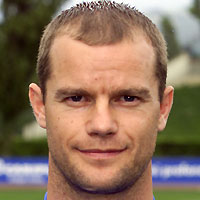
[110, 133]
[101, 133]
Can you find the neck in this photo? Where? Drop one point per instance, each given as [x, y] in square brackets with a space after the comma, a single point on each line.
[58, 188]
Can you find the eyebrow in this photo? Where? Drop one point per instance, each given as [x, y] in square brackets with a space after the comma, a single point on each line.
[63, 92]
[68, 91]
[141, 92]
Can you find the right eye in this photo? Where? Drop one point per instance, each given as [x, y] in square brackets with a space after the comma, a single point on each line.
[76, 101]
[75, 98]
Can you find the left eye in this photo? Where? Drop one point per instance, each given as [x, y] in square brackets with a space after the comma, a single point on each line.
[129, 98]
[76, 98]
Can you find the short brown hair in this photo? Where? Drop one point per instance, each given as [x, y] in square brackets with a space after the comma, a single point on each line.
[102, 23]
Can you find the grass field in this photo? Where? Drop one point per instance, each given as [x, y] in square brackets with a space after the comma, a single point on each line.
[177, 194]
[21, 194]
[37, 194]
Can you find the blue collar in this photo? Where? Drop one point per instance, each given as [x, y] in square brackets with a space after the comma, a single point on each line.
[45, 197]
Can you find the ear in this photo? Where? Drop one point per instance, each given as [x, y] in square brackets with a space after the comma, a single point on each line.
[165, 107]
[36, 99]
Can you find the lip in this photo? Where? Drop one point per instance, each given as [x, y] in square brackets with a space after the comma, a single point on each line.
[100, 153]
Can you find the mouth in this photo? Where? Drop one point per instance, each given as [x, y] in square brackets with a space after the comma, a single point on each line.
[101, 153]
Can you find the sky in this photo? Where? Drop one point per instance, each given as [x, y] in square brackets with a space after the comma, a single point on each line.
[146, 5]
[143, 5]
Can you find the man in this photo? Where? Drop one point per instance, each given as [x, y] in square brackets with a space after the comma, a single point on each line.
[102, 99]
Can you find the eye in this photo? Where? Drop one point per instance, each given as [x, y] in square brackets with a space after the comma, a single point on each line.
[77, 101]
[129, 98]
[75, 98]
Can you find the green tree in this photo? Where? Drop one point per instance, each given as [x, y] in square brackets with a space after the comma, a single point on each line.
[20, 31]
[170, 37]
[195, 9]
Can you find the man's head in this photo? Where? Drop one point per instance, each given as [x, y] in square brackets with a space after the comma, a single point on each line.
[102, 23]
[102, 68]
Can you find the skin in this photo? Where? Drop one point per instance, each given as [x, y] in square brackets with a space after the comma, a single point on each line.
[102, 114]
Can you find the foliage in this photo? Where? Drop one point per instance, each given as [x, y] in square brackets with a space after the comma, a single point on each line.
[17, 146]
[195, 9]
[183, 122]
[182, 134]
[170, 37]
[20, 32]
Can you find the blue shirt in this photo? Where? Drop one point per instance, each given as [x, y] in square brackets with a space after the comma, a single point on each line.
[45, 197]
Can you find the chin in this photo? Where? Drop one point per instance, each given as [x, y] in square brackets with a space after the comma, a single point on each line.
[116, 182]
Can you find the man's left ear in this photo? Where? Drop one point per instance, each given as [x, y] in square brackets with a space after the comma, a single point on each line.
[165, 107]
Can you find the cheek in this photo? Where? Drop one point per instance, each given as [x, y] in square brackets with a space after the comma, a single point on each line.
[63, 128]
[147, 137]
[142, 130]
[58, 128]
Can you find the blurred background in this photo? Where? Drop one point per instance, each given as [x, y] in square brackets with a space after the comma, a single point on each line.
[21, 25]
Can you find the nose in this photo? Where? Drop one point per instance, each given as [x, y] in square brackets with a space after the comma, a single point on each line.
[101, 122]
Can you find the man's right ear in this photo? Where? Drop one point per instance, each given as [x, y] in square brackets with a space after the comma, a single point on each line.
[36, 99]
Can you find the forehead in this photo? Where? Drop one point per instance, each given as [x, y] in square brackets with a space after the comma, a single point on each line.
[73, 62]
[135, 51]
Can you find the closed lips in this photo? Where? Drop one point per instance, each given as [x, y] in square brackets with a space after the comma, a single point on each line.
[102, 151]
